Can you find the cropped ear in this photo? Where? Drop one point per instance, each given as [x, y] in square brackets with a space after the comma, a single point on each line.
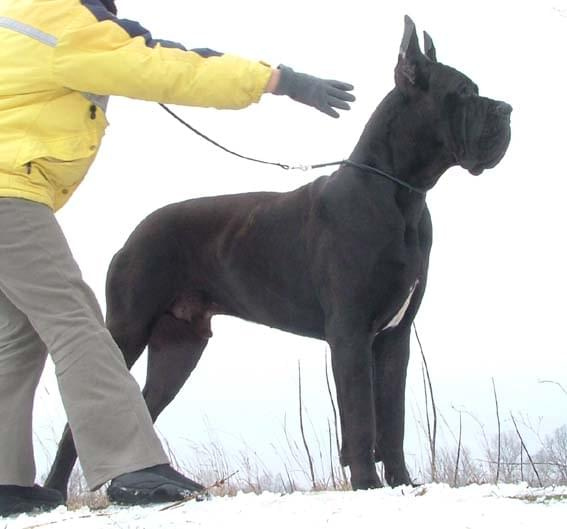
[430, 52]
[410, 70]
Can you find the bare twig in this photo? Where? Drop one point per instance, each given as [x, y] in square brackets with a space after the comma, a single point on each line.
[292, 486]
[521, 464]
[335, 419]
[426, 397]
[95, 515]
[555, 383]
[513, 464]
[331, 455]
[433, 434]
[458, 450]
[526, 450]
[309, 458]
[498, 459]
[283, 483]
[219, 483]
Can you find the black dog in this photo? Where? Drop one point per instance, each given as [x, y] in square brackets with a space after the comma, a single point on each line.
[343, 259]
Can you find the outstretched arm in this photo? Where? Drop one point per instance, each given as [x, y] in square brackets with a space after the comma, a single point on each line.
[105, 55]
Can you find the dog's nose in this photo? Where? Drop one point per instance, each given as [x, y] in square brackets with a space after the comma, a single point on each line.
[503, 109]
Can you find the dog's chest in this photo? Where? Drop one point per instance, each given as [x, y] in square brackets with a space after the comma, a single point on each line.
[399, 316]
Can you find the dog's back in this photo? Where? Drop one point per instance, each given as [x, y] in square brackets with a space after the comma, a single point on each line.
[245, 255]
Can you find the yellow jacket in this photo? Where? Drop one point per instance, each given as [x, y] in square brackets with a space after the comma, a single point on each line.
[60, 59]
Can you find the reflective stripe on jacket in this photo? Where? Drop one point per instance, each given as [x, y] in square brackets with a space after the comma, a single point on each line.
[60, 59]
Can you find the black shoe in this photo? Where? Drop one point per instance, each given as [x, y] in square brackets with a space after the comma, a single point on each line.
[15, 499]
[157, 484]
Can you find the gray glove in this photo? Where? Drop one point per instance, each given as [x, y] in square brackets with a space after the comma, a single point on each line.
[319, 93]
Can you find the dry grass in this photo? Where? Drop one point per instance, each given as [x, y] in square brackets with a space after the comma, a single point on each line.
[309, 459]
[247, 473]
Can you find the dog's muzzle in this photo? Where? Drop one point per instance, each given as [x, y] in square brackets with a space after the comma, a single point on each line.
[485, 133]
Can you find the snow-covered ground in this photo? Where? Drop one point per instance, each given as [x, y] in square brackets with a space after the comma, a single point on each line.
[435, 506]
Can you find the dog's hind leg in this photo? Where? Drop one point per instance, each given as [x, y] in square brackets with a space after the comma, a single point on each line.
[175, 348]
[60, 472]
[63, 464]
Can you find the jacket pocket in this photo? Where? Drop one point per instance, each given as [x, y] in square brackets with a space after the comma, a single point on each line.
[66, 129]
[62, 174]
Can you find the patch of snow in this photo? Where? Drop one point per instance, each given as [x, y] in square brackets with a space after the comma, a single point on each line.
[435, 506]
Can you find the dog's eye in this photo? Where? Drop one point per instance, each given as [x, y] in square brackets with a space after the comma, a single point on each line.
[473, 90]
[467, 90]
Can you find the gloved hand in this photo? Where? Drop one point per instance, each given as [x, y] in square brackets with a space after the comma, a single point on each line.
[319, 93]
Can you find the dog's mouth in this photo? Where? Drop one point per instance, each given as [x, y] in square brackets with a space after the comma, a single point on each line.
[486, 145]
[477, 169]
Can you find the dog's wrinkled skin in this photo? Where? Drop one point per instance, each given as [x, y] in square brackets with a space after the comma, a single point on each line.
[336, 259]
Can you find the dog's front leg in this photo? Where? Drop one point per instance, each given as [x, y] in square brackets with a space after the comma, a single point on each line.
[352, 370]
[390, 356]
[390, 353]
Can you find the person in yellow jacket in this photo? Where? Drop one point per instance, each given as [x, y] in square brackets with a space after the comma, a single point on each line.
[59, 62]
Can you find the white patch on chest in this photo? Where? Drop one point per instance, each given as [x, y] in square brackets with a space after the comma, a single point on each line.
[399, 316]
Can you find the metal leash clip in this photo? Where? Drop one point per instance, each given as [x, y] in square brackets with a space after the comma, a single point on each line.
[300, 167]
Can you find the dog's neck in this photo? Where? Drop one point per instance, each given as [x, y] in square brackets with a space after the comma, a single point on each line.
[395, 125]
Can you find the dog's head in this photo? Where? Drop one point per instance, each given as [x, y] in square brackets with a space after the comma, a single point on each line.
[474, 130]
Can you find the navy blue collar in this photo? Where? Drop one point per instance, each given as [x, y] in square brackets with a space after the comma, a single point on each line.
[110, 5]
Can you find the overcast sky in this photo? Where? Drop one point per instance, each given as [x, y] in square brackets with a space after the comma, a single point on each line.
[494, 305]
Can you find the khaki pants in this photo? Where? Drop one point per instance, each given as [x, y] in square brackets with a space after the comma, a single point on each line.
[46, 307]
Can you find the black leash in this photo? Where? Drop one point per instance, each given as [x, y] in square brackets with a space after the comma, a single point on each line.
[361, 166]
